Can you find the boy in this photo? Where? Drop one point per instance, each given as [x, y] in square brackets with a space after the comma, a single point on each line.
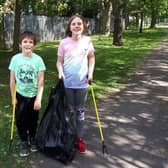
[27, 73]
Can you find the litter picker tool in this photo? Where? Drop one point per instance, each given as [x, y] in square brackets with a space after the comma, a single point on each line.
[104, 149]
[13, 119]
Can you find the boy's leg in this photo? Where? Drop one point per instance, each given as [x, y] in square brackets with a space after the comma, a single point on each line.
[32, 118]
[21, 117]
[32, 124]
[22, 124]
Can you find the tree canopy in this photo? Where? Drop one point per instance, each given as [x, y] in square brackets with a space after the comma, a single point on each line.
[102, 10]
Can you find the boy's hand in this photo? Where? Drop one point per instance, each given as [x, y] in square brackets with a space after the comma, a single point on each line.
[13, 101]
[37, 105]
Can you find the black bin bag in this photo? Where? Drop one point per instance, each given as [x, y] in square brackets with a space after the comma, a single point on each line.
[56, 135]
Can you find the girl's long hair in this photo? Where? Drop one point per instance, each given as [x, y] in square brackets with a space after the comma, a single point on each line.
[68, 31]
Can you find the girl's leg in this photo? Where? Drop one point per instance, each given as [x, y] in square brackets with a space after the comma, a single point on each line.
[80, 99]
[76, 99]
[70, 97]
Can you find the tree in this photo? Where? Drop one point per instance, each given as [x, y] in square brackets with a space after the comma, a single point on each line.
[153, 9]
[126, 13]
[2, 39]
[16, 26]
[157, 8]
[164, 12]
[118, 6]
[5, 7]
[105, 10]
[138, 9]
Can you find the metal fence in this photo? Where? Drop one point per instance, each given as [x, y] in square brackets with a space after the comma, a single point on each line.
[46, 28]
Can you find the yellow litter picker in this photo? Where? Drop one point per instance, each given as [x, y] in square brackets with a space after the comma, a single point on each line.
[104, 149]
[13, 119]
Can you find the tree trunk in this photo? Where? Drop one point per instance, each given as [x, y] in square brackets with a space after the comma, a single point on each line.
[16, 26]
[153, 15]
[137, 20]
[105, 8]
[117, 37]
[141, 24]
[107, 17]
[153, 20]
[2, 37]
[126, 14]
[126, 21]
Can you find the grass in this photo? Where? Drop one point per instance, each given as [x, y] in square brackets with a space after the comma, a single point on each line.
[114, 65]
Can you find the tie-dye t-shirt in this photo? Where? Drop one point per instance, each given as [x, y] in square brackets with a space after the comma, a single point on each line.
[75, 66]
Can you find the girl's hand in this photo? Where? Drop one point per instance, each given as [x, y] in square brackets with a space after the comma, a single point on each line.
[61, 76]
[89, 79]
[37, 105]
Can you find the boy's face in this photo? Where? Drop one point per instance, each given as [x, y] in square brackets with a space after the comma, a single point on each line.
[27, 45]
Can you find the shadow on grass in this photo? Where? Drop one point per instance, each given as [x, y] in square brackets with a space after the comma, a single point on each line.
[113, 68]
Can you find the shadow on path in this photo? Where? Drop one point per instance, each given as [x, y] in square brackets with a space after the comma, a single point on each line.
[134, 121]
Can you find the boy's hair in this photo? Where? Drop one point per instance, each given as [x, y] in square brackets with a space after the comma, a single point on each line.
[68, 31]
[27, 34]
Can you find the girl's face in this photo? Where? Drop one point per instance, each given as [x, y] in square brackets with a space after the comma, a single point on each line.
[76, 26]
[27, 45]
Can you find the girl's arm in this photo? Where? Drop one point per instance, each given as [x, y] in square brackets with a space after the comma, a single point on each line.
[91, 59]
[59, 66]
[37, 103]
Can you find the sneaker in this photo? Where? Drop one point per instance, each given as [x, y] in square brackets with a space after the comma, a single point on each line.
[81, 145]
[24, 150]
[33, 146]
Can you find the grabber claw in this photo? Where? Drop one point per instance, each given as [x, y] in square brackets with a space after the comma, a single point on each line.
[104, 148]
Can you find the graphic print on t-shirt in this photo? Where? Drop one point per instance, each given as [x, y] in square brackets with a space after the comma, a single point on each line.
[26, 74]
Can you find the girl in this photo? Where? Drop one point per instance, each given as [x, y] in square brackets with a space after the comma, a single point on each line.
[75, 65]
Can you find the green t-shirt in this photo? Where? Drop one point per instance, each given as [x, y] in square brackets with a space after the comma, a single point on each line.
[26, 73]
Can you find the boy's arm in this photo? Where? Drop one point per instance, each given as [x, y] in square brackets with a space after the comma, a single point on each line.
[37, 103]
[12, 84]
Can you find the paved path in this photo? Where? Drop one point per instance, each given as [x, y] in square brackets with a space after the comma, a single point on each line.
[135, 122]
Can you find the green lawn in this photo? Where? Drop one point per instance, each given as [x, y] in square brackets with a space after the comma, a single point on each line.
[114, 65]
